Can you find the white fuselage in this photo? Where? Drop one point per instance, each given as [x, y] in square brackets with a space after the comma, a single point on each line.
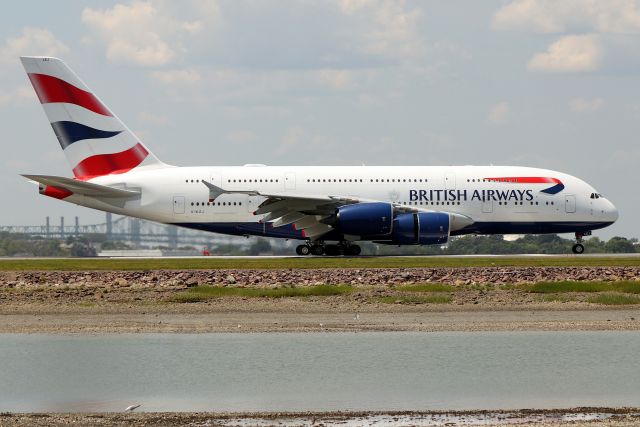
[176, 195]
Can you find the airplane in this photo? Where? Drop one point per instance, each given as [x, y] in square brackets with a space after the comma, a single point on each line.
[329, 209]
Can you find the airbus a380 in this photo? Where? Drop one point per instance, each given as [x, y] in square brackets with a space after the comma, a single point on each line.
[398, 205]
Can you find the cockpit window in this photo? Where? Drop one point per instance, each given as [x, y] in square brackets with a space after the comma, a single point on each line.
[596, 195]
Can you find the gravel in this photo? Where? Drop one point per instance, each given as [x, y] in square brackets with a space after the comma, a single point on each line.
[308, 277]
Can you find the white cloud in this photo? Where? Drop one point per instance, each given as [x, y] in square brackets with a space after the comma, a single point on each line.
[554, 16]
[153, 119]
[337, 79]
[241, 136]
[33, 41]
[499, 113]
[187, 76]
[569, 54]
[384, 28]
[292, 138]
[20, 95]
[583, 105]
[350, 7]
[147, 33]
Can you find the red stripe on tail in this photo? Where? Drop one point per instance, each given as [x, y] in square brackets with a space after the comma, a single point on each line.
[52, 89]
[105, 164]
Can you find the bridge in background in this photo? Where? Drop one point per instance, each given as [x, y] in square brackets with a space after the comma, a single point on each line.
[134, 231]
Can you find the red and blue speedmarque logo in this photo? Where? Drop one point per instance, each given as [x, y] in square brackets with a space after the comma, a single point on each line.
[555, 189]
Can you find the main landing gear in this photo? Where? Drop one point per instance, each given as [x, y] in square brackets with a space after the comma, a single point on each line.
[320, 248]
[578, 247]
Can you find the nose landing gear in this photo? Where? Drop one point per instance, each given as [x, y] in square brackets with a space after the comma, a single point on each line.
[578, 247]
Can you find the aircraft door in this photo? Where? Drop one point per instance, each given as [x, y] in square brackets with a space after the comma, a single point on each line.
[178, 204]
[252, 204]
[216, 180]
[450, 180]
[290, 181]
[570, 203]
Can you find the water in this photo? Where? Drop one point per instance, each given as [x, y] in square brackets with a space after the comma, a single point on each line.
[319, 372]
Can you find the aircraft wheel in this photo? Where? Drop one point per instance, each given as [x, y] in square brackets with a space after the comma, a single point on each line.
[578, 248]
[317, 250]
[331, 250]
[354, 250]
[303, 250]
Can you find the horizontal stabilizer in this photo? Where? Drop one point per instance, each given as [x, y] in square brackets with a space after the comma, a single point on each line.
[74, 186]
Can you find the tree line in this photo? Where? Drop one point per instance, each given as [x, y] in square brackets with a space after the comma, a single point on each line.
[13, 244]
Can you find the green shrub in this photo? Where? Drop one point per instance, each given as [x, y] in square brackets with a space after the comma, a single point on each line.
[203, 293]
[624, 286]
[615, 299]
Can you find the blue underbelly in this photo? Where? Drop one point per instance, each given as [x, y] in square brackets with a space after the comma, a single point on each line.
[289, 232]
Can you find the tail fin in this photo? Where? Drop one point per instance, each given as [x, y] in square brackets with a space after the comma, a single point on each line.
[93, 139]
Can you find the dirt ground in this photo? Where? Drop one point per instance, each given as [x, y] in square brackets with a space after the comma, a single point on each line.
[189, 319]
[480, 299]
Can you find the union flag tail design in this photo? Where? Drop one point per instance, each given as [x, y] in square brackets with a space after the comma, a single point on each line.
[93, 139]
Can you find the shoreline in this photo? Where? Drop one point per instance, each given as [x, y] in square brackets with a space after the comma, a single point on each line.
[614, 417]
[116, 322]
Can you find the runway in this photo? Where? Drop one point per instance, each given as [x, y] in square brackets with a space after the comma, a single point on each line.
[426, 257]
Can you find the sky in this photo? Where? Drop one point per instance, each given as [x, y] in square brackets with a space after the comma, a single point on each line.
[548, 83]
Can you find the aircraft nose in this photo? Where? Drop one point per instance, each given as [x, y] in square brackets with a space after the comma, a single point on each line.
[611, 212]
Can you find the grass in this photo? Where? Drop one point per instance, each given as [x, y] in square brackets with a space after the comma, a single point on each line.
[273, 263]
[614, 299]
[623, 286]
[87, 304]
[203, 293]
[623, 292]
[416, 299]
[426, 287]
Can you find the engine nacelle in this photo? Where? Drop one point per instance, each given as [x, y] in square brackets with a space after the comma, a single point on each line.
[424, 228]
[365, 219]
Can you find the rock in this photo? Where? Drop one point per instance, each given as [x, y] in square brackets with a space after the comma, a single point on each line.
[230, 279]
[120, 282]
[191, 282]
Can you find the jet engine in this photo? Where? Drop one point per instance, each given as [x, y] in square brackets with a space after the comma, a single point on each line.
[365, 219]
[423, 228]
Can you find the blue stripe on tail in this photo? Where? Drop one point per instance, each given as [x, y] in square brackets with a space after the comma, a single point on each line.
[70, 132]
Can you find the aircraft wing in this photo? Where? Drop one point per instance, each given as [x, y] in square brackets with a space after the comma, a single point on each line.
[84, 188]
[311, 212]
[305, 212]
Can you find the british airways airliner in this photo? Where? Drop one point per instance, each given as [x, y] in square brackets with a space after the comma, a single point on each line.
[329, 208]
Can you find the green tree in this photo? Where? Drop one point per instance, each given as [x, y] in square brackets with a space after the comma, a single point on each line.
[260, 246]
[619, 245]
